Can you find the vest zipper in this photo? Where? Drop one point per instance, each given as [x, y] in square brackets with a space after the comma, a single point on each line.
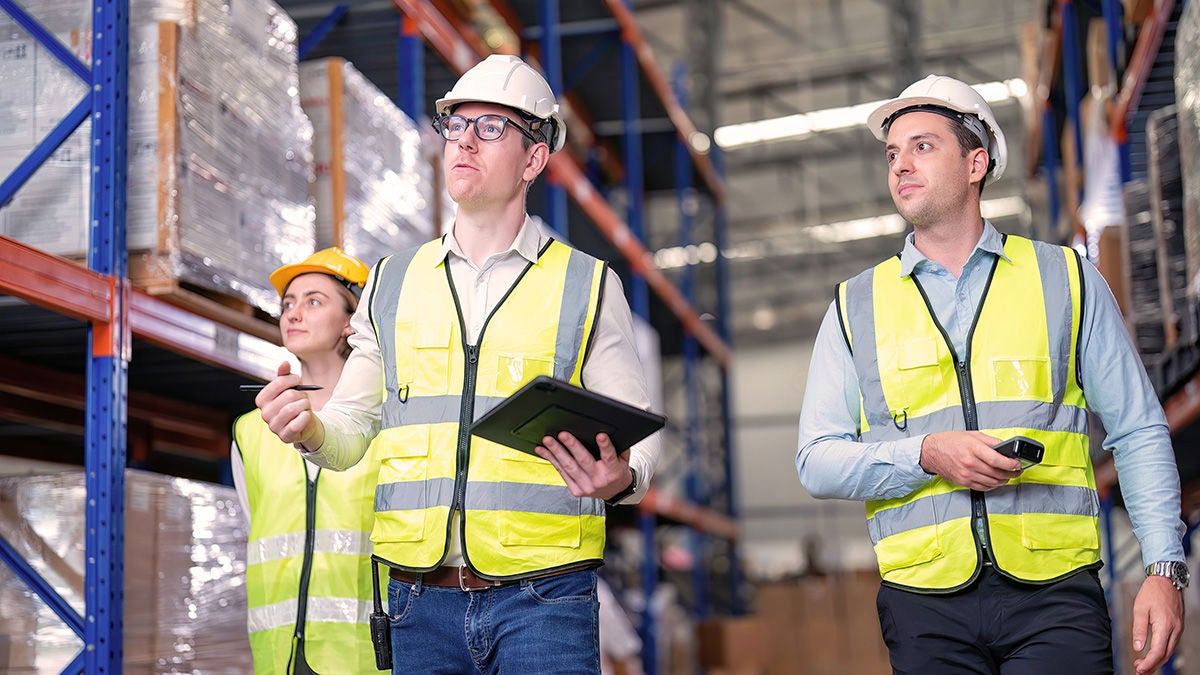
[310, 526]
[466, 412]
[966, 392]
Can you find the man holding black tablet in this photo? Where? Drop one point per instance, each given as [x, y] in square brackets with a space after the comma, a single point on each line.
[492, 551]
[928, 363]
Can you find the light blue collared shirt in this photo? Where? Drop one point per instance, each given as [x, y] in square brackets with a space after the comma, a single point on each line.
[832, 463]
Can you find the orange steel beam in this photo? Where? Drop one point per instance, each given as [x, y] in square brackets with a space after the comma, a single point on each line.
[683, 511]
[566, 172]
[1183, 407]
[50, 281]
[184, 332]
[1149, 39]
[684, 127]
[50, 393]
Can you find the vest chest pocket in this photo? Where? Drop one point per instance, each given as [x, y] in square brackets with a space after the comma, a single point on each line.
[514, 370]
[423, 357]
[536, 508]
[402, 495]
[1021, 379]
[914, 380]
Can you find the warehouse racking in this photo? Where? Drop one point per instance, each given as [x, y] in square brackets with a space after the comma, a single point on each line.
[163, 409]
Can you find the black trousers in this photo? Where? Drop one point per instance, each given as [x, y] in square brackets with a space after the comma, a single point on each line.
[1000, 627]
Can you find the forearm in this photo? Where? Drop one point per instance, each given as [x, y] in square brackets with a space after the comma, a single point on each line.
[838, 468]
[1150, 487]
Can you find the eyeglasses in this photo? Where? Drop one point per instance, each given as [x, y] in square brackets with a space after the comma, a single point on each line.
[487, 127]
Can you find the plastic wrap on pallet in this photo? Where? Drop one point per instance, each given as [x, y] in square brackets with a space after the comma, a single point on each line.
[1187, 96]
[219, 149]
[1165, 181]
[185, 552]
[36, 92]
[1145, 315]
[244, 150]
[373, 188]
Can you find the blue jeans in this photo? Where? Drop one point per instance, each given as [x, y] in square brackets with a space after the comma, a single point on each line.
[548, 625]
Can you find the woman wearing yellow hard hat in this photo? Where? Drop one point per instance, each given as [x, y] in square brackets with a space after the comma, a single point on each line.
[308, 575]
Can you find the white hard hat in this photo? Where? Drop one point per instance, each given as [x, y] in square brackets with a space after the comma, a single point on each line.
[508, 81]
[947, 94]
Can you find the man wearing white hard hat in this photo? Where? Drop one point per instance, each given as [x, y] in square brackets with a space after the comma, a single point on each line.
[967, 341]
[492, 552]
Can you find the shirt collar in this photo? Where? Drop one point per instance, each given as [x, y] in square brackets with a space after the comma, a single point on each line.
[529, 240]
[990, 242]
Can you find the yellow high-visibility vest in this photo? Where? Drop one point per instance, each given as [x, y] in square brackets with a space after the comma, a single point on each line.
[1020, 376]
[308, 558]
[517, 515]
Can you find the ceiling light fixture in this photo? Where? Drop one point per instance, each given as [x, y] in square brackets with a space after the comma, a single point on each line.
[803, 125]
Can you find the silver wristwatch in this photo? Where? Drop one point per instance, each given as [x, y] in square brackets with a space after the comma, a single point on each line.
[1174, 570]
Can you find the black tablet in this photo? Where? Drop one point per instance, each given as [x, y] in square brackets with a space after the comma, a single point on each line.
[546, 406]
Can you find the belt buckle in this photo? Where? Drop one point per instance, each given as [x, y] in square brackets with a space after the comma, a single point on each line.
[462, 581]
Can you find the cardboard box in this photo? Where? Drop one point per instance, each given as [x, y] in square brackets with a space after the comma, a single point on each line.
[729, 644]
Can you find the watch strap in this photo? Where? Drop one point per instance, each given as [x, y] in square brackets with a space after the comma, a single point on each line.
[631, 489]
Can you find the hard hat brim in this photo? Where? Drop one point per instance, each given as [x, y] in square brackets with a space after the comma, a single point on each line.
[283, 276]
[881, 114]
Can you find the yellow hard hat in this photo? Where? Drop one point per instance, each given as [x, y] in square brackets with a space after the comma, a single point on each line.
[333, 261]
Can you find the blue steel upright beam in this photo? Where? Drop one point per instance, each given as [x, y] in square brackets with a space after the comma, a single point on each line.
[320, 30]
[48, 145]
[694, 483]
[551, 57]
[109, 344]
[1072, 86]
[639, 302]
[410, 59]
[1050, 167]
[725, 330]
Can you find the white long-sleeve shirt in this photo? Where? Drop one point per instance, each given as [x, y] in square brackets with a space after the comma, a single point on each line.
[352, 416]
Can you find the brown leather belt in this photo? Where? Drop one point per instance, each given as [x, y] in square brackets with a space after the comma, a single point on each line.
[463, 578]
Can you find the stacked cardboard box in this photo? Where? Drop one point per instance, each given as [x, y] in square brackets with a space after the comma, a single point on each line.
[219, 149]
[373, 188]
[824, 624]
[184, 602]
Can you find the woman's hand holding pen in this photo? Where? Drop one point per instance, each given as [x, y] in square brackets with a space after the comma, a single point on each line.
[287, 411]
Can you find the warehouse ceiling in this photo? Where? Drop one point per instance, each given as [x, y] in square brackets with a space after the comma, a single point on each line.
[800, 211]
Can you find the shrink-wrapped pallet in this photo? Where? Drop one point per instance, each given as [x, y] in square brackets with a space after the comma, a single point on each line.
[219, 150]
[185, 564]
[373, 189]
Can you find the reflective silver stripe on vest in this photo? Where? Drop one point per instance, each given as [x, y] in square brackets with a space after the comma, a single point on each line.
[1039, 498]
[920, 513]
[1056, 289]
[329, 610]
[550, 499]
[996, 414]
[414, 494]
[388, 281]
[860, 296]
[1065, 500]
[283, 546]
[999, 414]
[485, 496]
[572, 317]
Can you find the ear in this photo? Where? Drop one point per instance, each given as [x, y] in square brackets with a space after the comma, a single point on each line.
[979, 164]
[539, 157]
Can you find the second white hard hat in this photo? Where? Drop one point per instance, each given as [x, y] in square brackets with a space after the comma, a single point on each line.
[950, 94]
[506, 80]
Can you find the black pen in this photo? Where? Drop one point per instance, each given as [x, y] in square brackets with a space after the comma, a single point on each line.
[299, 387]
